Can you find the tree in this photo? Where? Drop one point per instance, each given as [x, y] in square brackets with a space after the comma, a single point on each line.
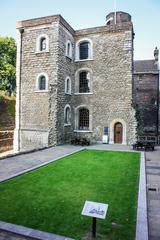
[7, 64]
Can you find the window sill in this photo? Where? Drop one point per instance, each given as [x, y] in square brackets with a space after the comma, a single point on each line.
[67, 124]
[46, 51]
[83, 131]
[70, 94]
[42, 91]
[83, 60]
[88, 93]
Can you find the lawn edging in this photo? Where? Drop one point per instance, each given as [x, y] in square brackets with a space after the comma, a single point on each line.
[29, 232]
[142, 220]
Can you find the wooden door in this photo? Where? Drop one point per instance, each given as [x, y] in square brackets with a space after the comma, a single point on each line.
[118, 132]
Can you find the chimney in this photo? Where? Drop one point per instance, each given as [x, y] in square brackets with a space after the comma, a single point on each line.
[156, 54]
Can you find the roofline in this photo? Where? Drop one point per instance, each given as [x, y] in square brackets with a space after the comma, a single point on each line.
[44, 20]
[111, 28]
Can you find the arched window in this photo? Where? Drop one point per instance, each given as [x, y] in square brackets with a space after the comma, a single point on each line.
[83, 119]
[42, 82]
[69, 49]
[42, 44]
[83, 81]
[67, 115]
[68, 85]
[84, 50]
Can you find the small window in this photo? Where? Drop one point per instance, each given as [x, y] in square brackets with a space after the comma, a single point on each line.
[42, 83]
[83, 119]
[42, 44]
[67, 115]
[84, 50]
[69, 49]
[68, 85]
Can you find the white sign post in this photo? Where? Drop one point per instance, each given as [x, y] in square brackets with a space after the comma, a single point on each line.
[94, 210]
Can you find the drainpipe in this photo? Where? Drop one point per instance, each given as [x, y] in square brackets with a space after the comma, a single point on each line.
[20, 71]
[156, 55]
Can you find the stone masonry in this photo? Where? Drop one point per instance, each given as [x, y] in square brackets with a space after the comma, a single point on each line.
[40, 114]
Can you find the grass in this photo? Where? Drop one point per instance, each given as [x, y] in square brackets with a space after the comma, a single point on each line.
[52, 197]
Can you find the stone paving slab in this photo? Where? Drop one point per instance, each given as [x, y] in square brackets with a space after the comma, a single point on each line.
[13, 231]
[153, 181]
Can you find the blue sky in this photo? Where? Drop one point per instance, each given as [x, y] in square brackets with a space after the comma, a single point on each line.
[89, 13]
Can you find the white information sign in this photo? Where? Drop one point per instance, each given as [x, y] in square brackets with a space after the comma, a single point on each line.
[94, 209]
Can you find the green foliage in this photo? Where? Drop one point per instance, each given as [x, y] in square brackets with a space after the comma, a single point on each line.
[7, 64]
[7, 111]
[52, 197]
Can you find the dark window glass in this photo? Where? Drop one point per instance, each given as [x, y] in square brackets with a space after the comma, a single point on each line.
[43, 44]
[42, 83]
[83, 119]
[83, 50]
[83, 82]
[68, 85]
[68, 50]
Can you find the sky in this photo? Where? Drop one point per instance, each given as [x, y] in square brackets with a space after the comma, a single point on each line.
[89, 13]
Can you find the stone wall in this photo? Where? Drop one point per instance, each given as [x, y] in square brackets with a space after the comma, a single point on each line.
[34, 119]
[40, 115]
[65, 69]
[111, 96]
[145, 100]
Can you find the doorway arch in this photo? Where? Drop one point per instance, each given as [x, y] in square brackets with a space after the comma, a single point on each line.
[112, 131]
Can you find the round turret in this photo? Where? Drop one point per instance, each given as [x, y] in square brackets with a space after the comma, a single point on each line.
[117, 18]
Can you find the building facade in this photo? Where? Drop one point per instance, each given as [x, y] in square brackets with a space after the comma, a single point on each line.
[74, 83]
[146, 96]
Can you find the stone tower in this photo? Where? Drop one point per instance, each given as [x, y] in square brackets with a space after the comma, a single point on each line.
[74, 83]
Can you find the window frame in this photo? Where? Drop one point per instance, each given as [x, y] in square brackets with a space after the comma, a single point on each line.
[39, 76]
[77, 109]
[69, 53]
[68, 123]
[77, 81]
[90, 50]
[38, 43]
[66, 80]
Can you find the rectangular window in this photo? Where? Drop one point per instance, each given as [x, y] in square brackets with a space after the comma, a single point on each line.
[83, 82]
[84, 50]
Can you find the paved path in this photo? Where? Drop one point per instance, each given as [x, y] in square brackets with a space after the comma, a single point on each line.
[153, 193]
[12, 166]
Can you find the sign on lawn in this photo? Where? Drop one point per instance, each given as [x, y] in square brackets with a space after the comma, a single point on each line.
[95, 209]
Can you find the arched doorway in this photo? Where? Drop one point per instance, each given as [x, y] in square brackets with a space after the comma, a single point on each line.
[118, 132]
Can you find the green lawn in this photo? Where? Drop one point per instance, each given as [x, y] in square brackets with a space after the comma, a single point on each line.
[52, 197]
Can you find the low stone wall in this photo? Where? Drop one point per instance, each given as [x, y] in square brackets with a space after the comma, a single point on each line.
[6, 140]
